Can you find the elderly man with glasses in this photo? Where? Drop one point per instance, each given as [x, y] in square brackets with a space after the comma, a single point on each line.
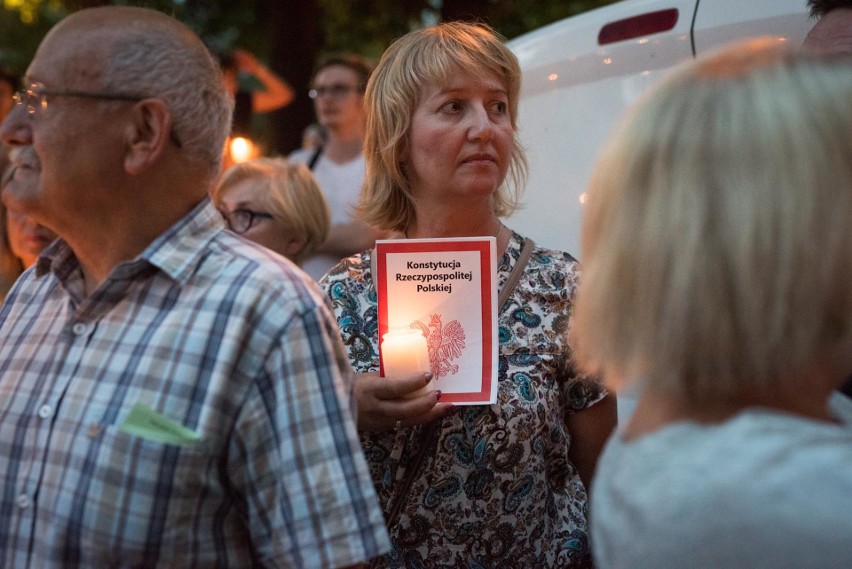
[170, 395]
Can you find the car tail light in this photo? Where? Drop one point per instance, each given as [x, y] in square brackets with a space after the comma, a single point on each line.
[638, 26]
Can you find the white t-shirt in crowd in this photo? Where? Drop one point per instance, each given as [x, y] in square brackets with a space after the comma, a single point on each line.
[763, 489]
[341, 185]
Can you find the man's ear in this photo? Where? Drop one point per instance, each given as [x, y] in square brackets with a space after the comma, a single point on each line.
[147, 134]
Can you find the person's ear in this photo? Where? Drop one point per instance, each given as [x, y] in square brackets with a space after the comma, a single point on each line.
[147, 135]
[294, 246]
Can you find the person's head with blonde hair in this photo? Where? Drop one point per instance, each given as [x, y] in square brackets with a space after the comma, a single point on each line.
[424, 57]
[717, 236]
[275, 203]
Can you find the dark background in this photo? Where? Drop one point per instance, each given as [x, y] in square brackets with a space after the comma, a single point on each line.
[290, 35]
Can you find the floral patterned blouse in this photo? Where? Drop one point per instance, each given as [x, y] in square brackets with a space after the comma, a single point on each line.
[494, 486]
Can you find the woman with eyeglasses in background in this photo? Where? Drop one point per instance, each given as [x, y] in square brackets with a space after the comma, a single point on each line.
[337, 90]
[274, 203]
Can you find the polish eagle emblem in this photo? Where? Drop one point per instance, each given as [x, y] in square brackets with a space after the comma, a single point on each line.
[444, 343]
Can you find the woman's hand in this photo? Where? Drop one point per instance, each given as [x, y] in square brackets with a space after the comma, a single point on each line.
[385, 403]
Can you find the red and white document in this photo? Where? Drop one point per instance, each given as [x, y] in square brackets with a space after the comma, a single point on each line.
[447, 289]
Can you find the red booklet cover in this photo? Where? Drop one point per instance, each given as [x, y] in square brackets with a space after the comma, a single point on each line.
[445, 289]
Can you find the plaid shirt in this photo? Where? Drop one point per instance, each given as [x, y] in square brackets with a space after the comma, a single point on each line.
[215, 334]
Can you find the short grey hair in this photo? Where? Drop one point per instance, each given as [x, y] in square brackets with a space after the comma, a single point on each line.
[716, 240]
[153, 60]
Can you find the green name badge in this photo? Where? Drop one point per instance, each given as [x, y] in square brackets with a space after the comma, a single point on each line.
[146, 423]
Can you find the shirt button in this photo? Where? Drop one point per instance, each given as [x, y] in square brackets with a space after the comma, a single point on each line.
[23, 501]
[79, 329]
[45, 411]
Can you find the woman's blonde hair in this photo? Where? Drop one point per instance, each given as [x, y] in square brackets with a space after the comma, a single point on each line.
[420, 58]
[289, 192]
[717, 243]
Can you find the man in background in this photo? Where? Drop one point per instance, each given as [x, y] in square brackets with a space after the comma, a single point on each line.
[337, 90]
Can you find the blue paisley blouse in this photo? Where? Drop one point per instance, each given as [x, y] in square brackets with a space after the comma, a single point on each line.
[494, 486]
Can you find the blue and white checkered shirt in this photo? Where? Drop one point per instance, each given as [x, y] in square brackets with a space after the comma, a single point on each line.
[207, 331]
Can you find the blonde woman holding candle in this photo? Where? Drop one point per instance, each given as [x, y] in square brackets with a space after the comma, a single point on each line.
[478, 485]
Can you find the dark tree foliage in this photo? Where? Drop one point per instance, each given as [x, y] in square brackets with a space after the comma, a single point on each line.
[290, 35]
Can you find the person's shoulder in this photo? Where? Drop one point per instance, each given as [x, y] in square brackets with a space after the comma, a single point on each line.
[248, 269]
[747, 459]
[553, 257]
[353, 270]
[556, 267]
[541, 254]
[300, 155]
[245, 255]
[714, 491]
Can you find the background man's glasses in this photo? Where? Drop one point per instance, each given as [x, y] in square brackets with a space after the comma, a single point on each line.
[334, 91]
[34, 99]
[241, 220]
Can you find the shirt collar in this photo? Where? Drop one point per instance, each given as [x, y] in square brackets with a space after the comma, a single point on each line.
[176, 252]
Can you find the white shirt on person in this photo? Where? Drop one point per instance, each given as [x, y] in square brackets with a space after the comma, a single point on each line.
[341, 186]
[762, 490]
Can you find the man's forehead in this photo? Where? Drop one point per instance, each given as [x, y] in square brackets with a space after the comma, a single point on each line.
[69, 56]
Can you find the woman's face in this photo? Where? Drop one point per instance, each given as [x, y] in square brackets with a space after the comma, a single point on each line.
[270, 233]
[27, 239]
[460, 140]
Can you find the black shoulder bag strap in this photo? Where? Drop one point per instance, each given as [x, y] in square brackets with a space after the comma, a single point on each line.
[314, 157]
[515, 275]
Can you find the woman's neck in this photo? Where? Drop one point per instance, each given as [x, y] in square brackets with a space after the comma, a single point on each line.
[443, 224]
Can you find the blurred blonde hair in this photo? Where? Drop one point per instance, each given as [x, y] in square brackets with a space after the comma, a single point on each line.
[420, 58]
[717, 243]
[289, 192]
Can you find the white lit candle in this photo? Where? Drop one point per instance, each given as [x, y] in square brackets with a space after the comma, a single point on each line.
[404, 352]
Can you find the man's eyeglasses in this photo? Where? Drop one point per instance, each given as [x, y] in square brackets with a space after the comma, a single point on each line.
[337, 91]
[241, 220]
[34, 99]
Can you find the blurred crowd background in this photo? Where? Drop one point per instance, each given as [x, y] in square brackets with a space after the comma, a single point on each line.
[289, 36]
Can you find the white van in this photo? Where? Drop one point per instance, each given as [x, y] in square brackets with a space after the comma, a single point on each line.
[581, 73]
